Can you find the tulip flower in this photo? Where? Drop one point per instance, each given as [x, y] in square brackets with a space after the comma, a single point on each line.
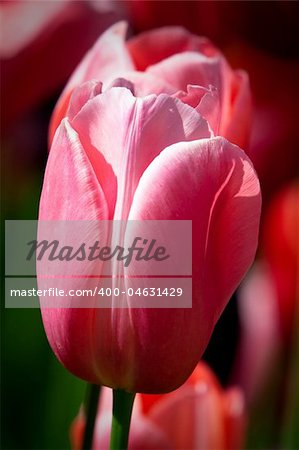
[172, 61]
[153, 157]
[198, 415]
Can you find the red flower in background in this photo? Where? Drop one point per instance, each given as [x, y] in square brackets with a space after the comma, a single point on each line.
[41, 43]
[200, 415]
[281, 251]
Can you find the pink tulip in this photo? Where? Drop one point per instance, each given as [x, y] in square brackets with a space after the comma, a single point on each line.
[172, 61]
[198, 415]
[118, 156]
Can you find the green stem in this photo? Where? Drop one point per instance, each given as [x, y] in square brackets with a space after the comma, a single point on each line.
[91, 408]
[122, 411]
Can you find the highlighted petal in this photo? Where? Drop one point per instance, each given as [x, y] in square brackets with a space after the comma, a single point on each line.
[70, 189]
[142, 128]
[212, 183]
[104, 61]
[71, 192]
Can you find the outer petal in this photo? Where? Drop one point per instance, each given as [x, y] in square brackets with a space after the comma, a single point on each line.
[70, 189]
[142, 128]
[104, 61]
[212, 183]
[153, 46]
[71, 192]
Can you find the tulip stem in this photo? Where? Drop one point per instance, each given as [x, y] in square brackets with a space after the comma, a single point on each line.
[122, 411]
[90, 407]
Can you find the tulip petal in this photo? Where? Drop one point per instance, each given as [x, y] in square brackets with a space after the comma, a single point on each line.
[205, 101]
[81, 95]
[70, 189]
[110, 50]
[71, 192]
[142, 128]
[189, 68]
[146, 84]
[153, 46]
[212, 183]
[223, 183]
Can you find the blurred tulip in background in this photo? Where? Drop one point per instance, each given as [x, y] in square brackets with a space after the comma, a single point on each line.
[41, 43]
[200, 415]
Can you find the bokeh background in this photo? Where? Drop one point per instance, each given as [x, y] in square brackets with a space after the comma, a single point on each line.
[41, 42]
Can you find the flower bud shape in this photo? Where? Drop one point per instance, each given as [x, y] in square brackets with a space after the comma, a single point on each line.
[121, 153]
